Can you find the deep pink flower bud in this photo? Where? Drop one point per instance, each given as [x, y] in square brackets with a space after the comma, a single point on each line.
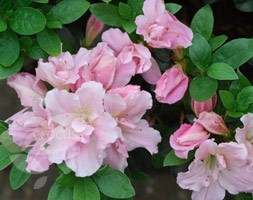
[208, 105]
[93, 28]
[172, 85]
[186, 138]
[213, 123]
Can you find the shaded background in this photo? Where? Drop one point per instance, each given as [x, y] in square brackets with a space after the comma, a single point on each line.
[161, 185]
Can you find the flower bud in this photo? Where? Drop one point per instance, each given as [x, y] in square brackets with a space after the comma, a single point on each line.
[213, 123]
[186, 138]
[208, 105]
[172, 85]
[93, 28]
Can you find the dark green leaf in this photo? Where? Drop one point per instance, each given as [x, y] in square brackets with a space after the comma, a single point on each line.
[107, 13]
[200, 52]
[18, 174]
[27, 21]
[21, 3]
[173, 7]
[60, 193]
[25, 43]
[210, 1]
[202, 22]
[129, 26]
[63, 167]
[203, 88]
[217, 41]
[9, 48]
[5, 5]
[244, 98]
[68, 11]
[136, 6]
[66, 180]
[113, 183]
[41, 1]
[244, 5]
[54, 24]
[221, 71]
[172, 160]
[227, 99]
[125, 11]
[3, 126]
[235, 53]
[3, 25]
[234, 114]
[8, 144]
[49, 42]
[244, 82]
[86, 189]
[4, 158]
[36, 52]
[6, 72]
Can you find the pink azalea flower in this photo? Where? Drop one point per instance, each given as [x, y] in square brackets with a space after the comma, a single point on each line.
[172, 85]
[59, 71]
[128, 105]
[207, 105]
[160, 28]
[217, 169]
[186, 138]
[84, 128]
[213, 123]
[153, 74]
[27, 88]
[93, 28]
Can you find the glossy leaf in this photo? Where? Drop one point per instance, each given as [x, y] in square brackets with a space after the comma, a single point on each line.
[227, 99]
[86, 189]
[217, 41]
[58, 192]
[221, 71]
[5, 72]
[172, 160]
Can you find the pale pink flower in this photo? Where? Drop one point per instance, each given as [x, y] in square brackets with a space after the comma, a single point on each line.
[84, 128]
[128, 105]
[186, 138]
[207, 105]
[27, 88]
[172, 85]
[217, 169]
[93, 28]
[59, 71]
[160, 28]
[213, 123]
[153, 74]
[134, 55]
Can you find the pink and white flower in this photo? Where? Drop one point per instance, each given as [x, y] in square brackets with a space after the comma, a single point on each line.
[160, 28]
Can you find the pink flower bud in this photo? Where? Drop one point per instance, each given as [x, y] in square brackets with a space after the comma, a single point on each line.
[207, 105]
[93, 28]
[186, 138]
[172, 85]
[213, 123]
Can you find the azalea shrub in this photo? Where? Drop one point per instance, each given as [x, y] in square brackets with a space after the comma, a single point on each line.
[137, 78]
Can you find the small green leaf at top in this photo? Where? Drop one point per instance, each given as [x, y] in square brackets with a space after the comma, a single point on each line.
[203, 88]
[227, 99]
[27, 21]
[221, 71]
[200, 52]
[172, 160]
[173, 7]
[86, 189]
[202, 22]
[217, 41]
[113, 183]
[57, 192]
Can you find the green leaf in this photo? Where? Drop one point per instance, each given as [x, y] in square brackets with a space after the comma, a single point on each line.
[68, 11]
[18, 174]
[244, 82]
[49, 42]
[202, 22]
[244, 98]
[86, 189]
[203, 88]
[36, 52]
[66, 180]
[221, 71]
[129, 27]
[173, 7]
[217, 41]
[25, 43]
[113, 183]
[21, 3]
[244, 5]
[54, 24]
[41, 1]
[8, 144]
[5, 5]
[136, 6]
[172, 160]
[9, 48]
[6, 72]
[27, 21]
[234, 114]
[107, 13]
[125, 11]
[210, 1]
[227, 99]
[3, 25]
[235, 53]
[200, 52]
[58, 192]
[4, 158]
[63, 167]
[3, 126]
